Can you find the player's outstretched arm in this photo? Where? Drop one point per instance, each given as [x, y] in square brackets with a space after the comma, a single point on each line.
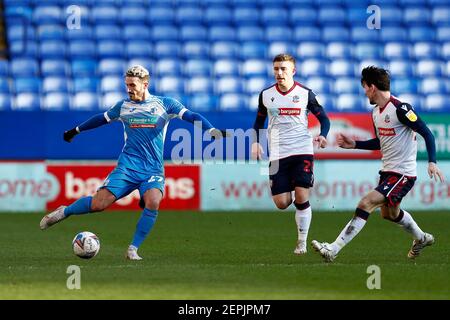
[202, 122]
[94, 122]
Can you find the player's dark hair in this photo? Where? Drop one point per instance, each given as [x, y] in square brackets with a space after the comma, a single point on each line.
[284, 57]
[376, 76]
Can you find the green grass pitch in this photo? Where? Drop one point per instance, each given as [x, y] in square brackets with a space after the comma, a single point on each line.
[237, 255]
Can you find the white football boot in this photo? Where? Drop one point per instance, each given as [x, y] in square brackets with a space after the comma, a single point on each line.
[52, 218]
[132, 254]
[300, 248]
[325, 250]
[418, 245]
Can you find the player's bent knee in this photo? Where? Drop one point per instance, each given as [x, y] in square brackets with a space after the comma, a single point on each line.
[282, 204]
[152, 204]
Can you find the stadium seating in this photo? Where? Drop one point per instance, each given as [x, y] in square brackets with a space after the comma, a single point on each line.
[217, 54]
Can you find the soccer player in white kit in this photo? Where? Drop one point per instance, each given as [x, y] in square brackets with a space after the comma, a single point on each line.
[396, 124]
[287, 103]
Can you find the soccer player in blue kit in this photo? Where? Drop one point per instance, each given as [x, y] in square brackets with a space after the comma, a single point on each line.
[140, 165]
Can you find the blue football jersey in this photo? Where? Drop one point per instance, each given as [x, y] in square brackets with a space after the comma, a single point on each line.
[145, 124]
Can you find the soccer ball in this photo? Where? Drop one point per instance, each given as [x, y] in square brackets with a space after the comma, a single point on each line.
[86, 245]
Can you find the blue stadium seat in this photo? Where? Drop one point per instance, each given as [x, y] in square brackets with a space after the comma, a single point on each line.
[161, 15]
[51, 32]
[5, 101]
[225, 50]
[14, 11]
[107, 32]
[189, 14]
[433, 85]
[56, 101]
[245, 16]
[228, 85]
[414, 100]
[254, 67]
[167, 49]
[4, 68]
[198, 85]
[312, 68]
[309, 33]
[52, 49]
[84, 67]
[24, 67]
[447, 69]
[339, 50]
[335, 33]
[400, 68]
[429, 68]
[327, 101]
[426, 50]
[349, 102]
[104, 14]
[26, 102]
[445, 51]
[252, 102]
[397, 50]
[436, 103]
[423, 33]
[222, 33]
[111, 98]
[196, 50]
[203, 102]
[218, 15]
[255, 85]
[357, 16]
[359, 34]
[332, 16]
[55, 84]
[226, 67]
[307, 16]
[280, 47]
[250, 33]
[112, 84]
[112, 67]
[319, 85]
[23, 49]
[443, 34]
[367, 50]
[132, 15]
[307, 50]
[170, 84]
[54, 67]
[20, 32]
[4, 85]
[47, 14]
[193, 33]
[84, 101]
[403, 85]
[417, 15]
[347, 85]
[273, 16]
[370, 62]
[82, 49]
[138, 49]
[278, 33]
[84, 33]
[164, 33]
[389, 34]
[110, 49]
[441, 16]
[253, 50]
[136, 32]
[85, 84]
[146, 63]
[232, 102]
[391, 16]
[341, 68]
[169, 66]
[197, 67]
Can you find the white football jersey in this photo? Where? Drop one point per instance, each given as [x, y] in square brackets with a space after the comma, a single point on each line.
[397, 139]
[288, 132]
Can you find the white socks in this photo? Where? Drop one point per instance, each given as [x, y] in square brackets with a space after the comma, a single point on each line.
[350, 230]
[303, 219]
[409, 225]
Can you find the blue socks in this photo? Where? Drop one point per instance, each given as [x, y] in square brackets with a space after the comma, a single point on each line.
[144, 226]
[81, 206]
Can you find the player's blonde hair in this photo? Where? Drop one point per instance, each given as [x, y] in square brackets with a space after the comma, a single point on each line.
[139, 72]
[284, 57]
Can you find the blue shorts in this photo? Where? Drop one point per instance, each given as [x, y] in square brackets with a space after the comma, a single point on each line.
[121, 182]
